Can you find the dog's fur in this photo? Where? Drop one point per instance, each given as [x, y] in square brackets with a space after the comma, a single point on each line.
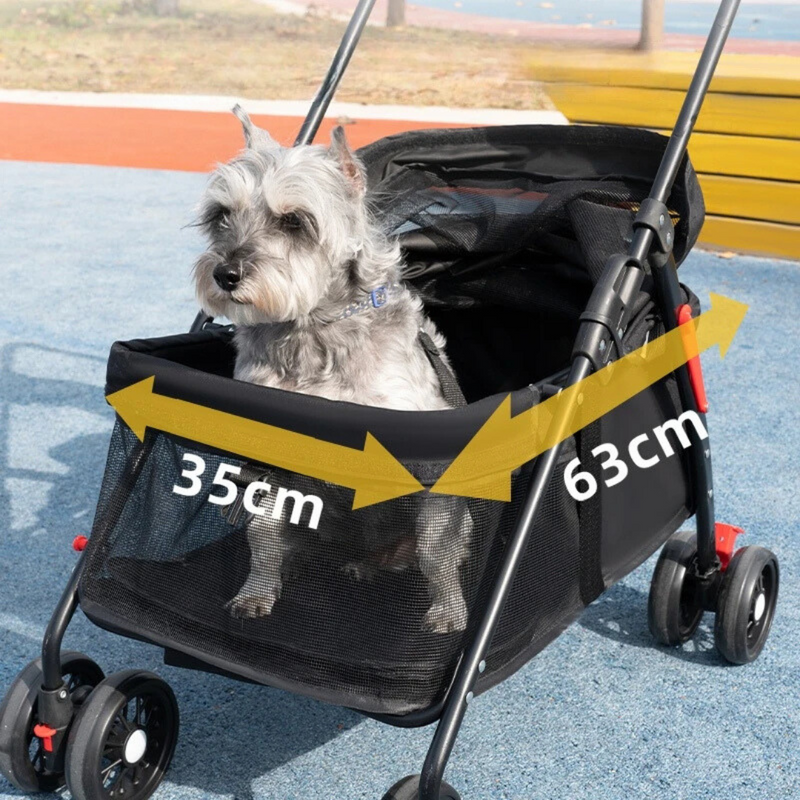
[292, 246]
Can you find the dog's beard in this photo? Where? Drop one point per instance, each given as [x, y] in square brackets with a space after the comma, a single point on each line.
[272, 289]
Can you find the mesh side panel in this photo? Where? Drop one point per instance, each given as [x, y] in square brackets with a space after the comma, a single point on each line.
[499, 217]
[545, 595]
[350, 623]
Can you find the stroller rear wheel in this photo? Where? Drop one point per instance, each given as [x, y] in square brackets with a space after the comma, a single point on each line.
[408, 789]
[746, 604]
[21, 753]
[123, 739]
[674, 609]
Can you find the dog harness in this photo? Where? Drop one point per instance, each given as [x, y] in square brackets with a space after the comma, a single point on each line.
[378, 298]
[451, 391]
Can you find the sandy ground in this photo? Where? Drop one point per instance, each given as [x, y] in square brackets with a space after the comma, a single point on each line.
[242, 48]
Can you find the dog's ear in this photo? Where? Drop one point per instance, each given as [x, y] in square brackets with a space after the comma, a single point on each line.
[254, 137]
[350, 165]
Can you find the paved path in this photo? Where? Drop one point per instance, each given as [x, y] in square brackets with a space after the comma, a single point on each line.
[93, 254]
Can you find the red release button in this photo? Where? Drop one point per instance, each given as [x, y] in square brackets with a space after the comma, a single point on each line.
[689, 338]
[79, 543]
[46, 734]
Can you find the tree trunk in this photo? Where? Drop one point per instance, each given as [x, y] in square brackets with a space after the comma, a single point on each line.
[396, 14]
[167, 8]
[652, 24]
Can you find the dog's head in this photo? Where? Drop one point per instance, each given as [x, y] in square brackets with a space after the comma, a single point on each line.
[285, 227]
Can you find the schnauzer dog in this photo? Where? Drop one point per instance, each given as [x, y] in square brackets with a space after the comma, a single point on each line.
[296, 261]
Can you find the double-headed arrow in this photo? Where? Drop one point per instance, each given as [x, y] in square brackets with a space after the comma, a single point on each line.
[504, 443]
[374, 473]
[484, 466]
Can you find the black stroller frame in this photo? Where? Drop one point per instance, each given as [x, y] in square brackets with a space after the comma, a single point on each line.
[602, 325]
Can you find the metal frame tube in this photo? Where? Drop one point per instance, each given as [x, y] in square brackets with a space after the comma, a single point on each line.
[335, 72]
[56, 628]
[470, 667]
[668, 294]
[62, 615]
[667, 286]
[200, 321]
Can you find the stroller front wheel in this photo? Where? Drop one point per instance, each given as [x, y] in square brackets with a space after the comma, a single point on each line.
[123, 739]
[408, 789]
[21, 753]
[674, 609]
[746, 604]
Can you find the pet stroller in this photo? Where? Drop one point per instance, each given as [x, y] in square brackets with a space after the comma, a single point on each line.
[542, 253]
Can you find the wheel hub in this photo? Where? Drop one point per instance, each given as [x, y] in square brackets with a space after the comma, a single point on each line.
[135, 746]
[760, 607]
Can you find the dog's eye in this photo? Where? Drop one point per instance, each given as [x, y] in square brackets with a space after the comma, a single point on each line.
[216, 217]
[292, 221]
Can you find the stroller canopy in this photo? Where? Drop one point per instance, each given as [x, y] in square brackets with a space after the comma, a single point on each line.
[506, 229]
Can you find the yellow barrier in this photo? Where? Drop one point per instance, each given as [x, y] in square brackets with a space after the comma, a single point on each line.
[746, 148]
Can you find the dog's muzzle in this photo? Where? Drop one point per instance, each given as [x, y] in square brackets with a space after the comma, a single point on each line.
[227, 277]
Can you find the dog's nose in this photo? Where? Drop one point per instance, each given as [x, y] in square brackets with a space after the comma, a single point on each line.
[227, 277]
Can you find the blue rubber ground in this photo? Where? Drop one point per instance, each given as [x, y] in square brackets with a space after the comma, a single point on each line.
[91, 254]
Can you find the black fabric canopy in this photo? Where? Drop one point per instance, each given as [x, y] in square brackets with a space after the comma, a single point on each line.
[506, 229]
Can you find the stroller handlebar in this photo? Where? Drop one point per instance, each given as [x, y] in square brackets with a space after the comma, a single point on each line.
[336, 71]
[675, 151]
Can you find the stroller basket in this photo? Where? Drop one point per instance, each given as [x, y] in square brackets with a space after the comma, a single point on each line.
[350, 624]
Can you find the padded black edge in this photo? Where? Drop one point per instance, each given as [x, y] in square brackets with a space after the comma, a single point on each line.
[565, 152]
[413, 436]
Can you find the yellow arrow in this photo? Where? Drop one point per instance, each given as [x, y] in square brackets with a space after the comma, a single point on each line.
[374, 473]
[504, 443]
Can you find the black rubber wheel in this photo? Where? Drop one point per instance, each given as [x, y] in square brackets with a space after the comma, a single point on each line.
[408, 789]
[123, 739]
[673, 608]
[20, 751]
[746, 604]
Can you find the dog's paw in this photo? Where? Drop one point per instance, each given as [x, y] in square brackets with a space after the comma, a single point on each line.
[446, 616]
[360, 571]
[247, 605]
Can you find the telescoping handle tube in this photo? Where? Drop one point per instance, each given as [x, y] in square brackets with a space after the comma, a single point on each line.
[611, 306]
[613, 300]
[335, 72]
[679, 142]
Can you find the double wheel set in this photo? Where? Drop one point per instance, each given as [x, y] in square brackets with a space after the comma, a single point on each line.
[122, 729]
[742, 593]
[118, 744]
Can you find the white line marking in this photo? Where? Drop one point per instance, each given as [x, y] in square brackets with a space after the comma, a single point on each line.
[286, 108]
[19, 626]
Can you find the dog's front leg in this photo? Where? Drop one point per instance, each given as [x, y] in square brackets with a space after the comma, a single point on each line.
[261, 590]
[444, 529]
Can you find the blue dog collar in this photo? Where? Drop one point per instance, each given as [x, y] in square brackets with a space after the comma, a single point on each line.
[377, 298]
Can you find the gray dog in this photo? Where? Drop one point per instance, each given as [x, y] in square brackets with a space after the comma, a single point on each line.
[314, 288]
